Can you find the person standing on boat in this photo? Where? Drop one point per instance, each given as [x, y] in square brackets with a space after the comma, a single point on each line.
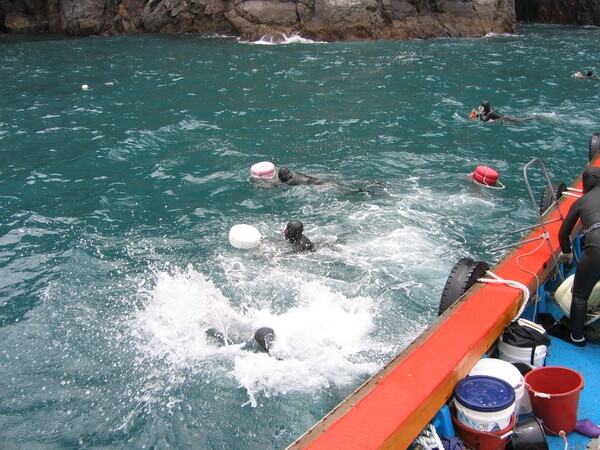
[486, 113]
[293, 233]
[587, 210]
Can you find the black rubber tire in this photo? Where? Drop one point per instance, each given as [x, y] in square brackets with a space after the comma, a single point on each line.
[594, 145]
[463, 275]
[547, 199]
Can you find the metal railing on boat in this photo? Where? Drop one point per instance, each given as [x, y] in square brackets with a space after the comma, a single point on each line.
[540, 214]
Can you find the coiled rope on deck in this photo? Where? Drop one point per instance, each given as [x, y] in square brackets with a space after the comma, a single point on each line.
[429, 439]
[515, 284]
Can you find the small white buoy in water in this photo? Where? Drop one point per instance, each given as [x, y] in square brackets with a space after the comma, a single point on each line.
[263, 169]
[84, 87]
[244, 236]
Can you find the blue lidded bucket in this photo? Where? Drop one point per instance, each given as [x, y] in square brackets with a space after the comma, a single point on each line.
[484, 403]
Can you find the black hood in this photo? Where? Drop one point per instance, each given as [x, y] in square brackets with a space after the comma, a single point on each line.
[590, 178]
[293, 231]
[285, 174]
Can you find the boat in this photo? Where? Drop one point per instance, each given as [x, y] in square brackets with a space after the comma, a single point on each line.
[413, 393]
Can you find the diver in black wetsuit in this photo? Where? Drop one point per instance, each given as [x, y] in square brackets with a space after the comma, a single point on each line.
[589, 75]
[486, 113]
[293, 233]
[264, 339]
[587, 210]
[286, 176]
[294, 178]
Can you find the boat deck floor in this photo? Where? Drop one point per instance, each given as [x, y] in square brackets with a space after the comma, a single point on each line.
[586, 361]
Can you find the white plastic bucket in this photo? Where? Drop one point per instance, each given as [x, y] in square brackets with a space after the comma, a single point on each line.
[484, 403]
[511, 353]
[263, 169]
[489, 421]
[505, 371]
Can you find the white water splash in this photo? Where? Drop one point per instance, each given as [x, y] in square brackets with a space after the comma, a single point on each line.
[320, 342]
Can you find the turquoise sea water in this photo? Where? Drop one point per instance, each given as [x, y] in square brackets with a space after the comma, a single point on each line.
[117, 201]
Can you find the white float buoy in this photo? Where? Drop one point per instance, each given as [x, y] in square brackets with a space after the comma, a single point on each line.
[263, 169]
[84, 87]
[244, 236]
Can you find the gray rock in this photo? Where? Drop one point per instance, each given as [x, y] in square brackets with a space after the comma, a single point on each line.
[325, 20]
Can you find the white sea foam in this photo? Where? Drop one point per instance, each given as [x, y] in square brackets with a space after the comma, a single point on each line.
[320, 340]
[284, 40]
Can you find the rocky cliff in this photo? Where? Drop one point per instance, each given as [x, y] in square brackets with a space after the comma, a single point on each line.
[325, 20]
[580, 12]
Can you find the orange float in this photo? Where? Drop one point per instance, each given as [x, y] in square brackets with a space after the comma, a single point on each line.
[485, 175]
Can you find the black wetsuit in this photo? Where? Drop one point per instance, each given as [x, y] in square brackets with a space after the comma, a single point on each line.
[302, 244]
[586, 209]
[300, 178]
[293, 233]
[488, 115]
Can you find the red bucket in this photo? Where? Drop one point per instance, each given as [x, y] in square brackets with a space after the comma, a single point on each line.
[483, 440]
[554, 394]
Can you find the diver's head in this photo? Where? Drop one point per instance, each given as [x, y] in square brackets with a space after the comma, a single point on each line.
[486, 106]
[590, 73]
[293, 231]
[590, 178]
[264, 338]
[285, 174]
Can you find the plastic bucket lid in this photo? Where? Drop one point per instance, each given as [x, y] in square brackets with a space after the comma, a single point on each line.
[484, 393]
[505, 371]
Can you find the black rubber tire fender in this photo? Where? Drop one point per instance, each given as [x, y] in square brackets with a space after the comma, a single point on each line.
[547, 199]
[594, 145]
[463, 275]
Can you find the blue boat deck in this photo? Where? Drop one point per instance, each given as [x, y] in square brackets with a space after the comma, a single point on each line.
[586, 361]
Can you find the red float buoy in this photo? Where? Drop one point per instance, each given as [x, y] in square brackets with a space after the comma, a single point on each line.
[485, 175]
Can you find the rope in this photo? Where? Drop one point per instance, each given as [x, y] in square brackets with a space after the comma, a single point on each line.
[544, 236]
[429, 439]
[497, 280]
[489, 186]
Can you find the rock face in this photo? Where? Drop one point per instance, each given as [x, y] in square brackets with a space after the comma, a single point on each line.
[580, 12]
[324, 20]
